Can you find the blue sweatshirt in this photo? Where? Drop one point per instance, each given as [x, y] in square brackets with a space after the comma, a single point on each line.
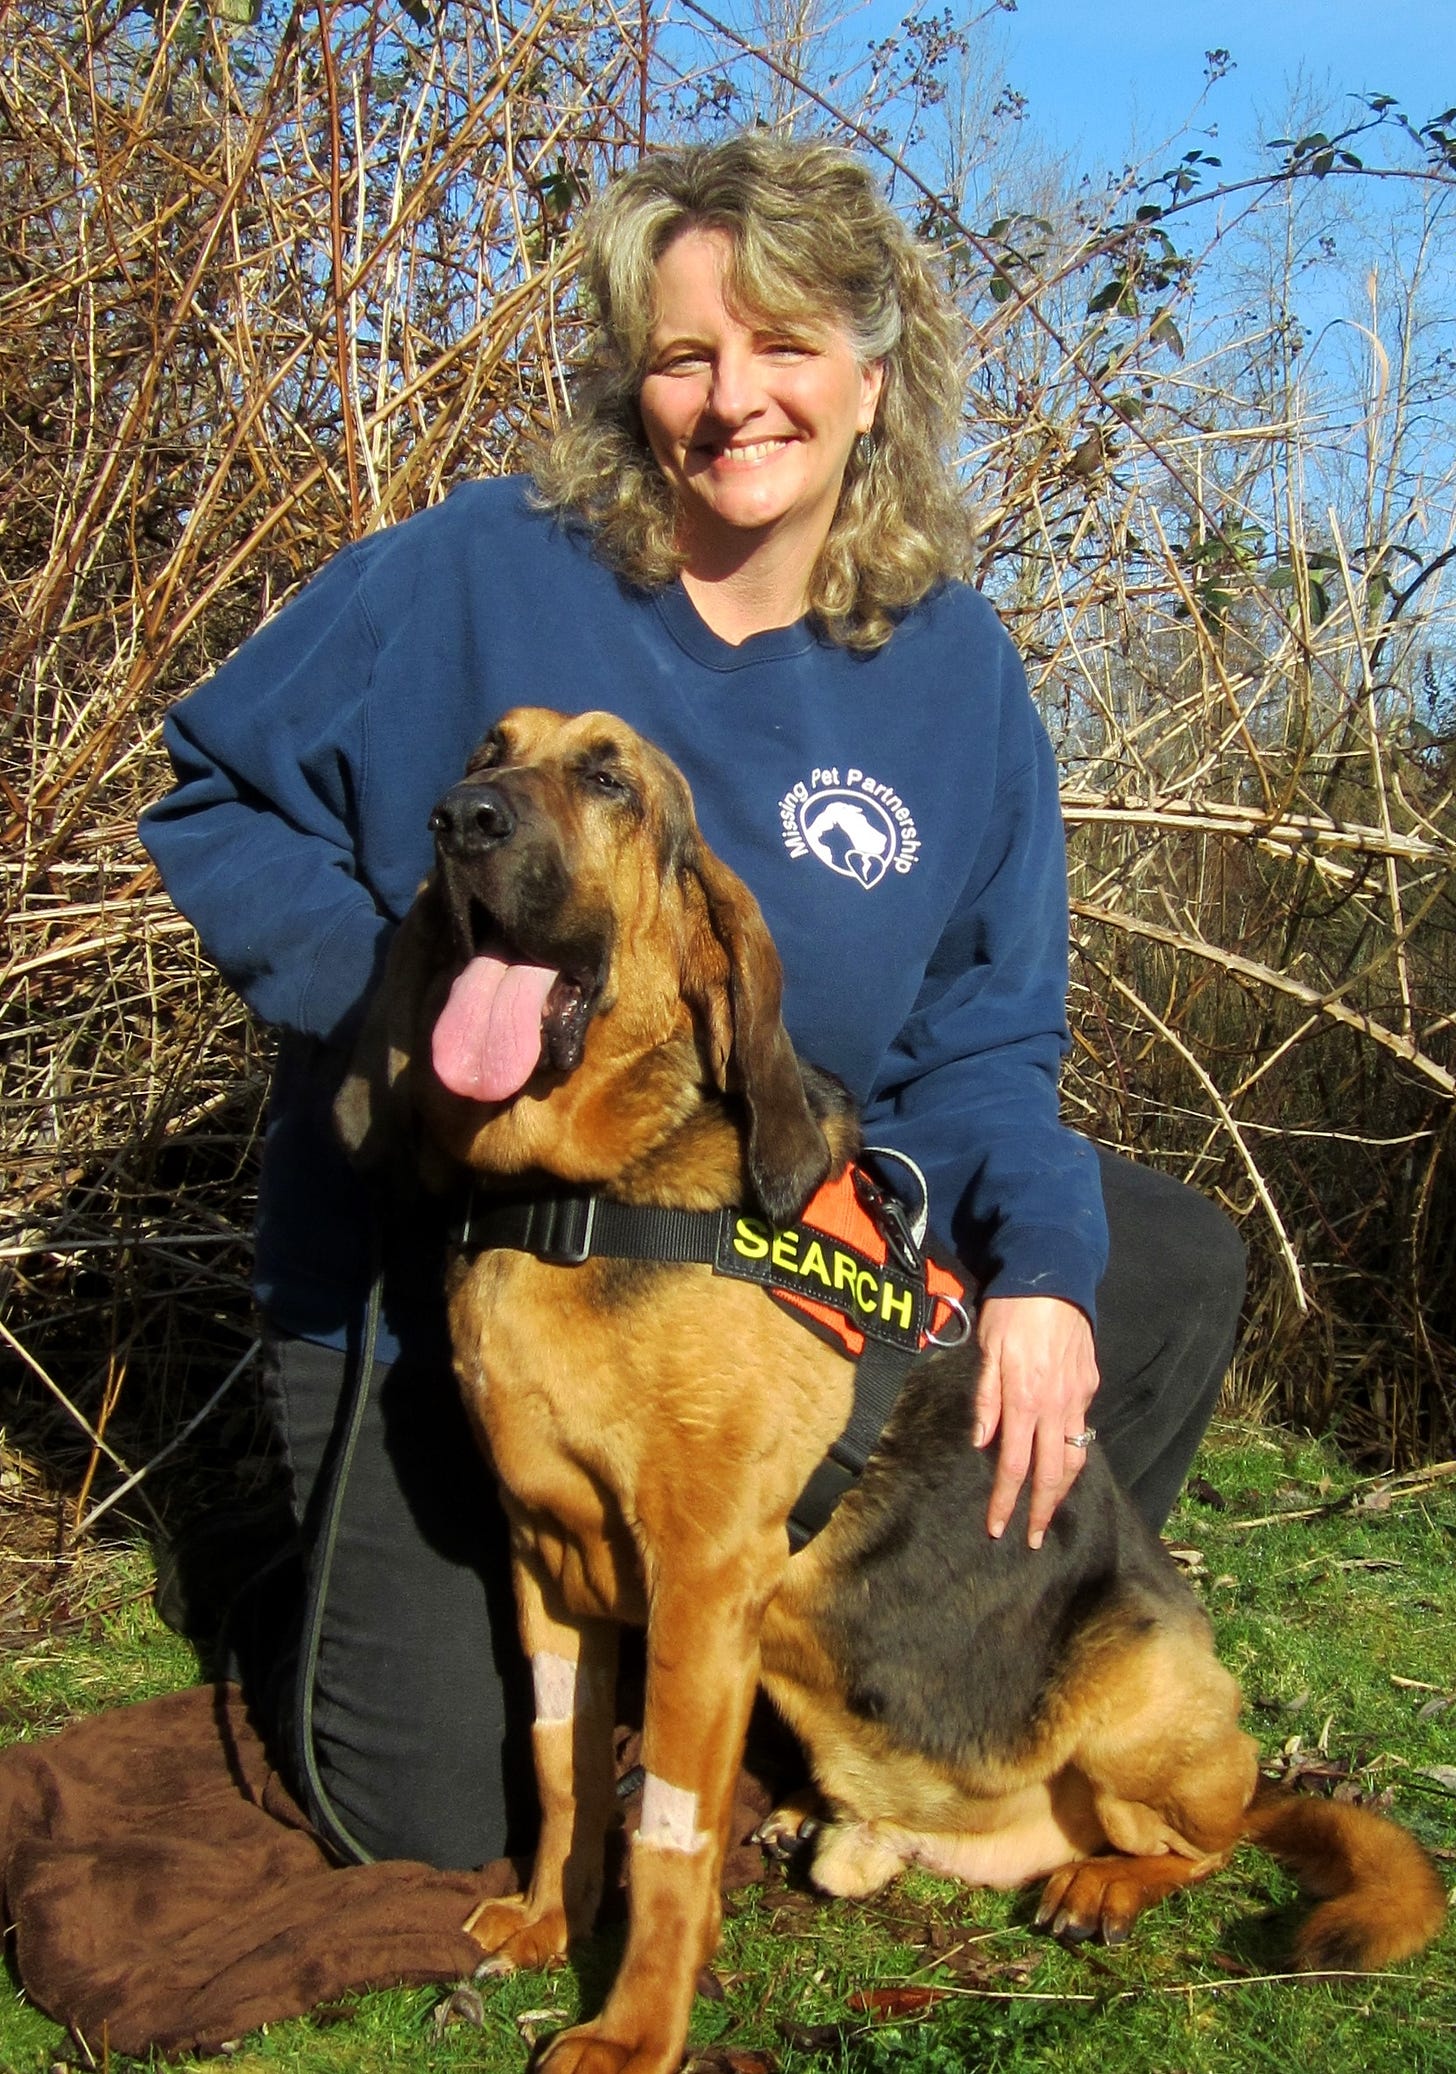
[895, 814]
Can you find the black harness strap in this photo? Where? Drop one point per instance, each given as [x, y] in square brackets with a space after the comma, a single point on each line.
[568, 1229]
[878, 1375]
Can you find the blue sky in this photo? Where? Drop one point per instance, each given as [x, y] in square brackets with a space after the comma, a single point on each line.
[1104, 77]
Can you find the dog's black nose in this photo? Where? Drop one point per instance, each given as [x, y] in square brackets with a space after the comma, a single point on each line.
[472, 818]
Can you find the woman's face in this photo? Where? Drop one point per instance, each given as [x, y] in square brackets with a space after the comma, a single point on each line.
[750, 420]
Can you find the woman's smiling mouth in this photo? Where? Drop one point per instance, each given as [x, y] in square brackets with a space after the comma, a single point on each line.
[746, 455]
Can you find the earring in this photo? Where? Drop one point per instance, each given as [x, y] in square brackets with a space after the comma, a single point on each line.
[864, 448]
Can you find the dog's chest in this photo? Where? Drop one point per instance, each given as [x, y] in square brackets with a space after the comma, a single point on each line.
[685, 1397]
[538, 1361]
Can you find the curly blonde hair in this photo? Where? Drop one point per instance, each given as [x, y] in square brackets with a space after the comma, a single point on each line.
[810, 233]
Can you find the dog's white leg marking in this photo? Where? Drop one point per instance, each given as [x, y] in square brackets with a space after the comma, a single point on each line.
[670, 1817]
[554, 1679]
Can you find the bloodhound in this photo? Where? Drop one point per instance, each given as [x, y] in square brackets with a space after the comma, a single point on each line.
[585, 999]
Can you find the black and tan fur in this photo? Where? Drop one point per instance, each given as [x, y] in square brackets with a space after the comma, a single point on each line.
[969, 1704]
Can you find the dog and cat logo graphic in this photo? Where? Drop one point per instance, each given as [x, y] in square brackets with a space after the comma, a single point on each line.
[852, 822]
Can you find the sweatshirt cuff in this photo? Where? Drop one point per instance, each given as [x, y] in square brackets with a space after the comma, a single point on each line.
[345, 972]
[1040, 1260]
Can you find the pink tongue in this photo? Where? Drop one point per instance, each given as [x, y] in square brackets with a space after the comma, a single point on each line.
[487, 1042]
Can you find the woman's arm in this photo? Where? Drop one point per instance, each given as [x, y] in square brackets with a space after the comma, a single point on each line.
[257, 843]
[969, 1090]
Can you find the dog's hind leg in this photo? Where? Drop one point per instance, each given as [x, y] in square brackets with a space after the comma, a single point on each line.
[1103, 1897]
[1170, 1775]
[573, 1667]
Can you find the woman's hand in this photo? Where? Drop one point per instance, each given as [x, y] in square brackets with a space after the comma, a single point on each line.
[1038, 1376]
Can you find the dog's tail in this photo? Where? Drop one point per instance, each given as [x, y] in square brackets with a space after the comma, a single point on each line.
[1379, 1896]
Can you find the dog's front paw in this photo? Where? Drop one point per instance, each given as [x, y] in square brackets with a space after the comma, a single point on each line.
[512, 1934]
[854, 1859]
[587, 2050]
[792, 1825]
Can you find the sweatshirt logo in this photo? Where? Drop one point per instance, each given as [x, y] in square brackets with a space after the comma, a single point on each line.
[856, 825]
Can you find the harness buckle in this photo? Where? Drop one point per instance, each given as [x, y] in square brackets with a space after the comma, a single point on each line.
[559, 1228]
[891, 1219]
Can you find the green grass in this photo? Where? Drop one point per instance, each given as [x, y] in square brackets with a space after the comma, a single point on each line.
[1342, 1627]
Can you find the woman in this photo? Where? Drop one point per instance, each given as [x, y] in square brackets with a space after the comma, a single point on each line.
[747, 543]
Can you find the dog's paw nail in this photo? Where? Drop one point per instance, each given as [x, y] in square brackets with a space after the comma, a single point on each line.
[494, 1967]
[1115, 1933]
[783, 1840]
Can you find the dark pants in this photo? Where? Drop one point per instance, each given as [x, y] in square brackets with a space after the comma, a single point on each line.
[421, 1703]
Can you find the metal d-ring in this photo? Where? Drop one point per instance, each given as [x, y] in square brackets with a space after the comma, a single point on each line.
[959, 1311]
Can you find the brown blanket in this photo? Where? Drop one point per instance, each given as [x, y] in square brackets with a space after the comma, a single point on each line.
[167, 1893]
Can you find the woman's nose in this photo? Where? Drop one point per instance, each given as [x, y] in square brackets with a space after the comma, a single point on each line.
[736, 391]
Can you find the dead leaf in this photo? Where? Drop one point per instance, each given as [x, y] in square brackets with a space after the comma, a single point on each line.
[1016, 1969]
[893, 2002]
[1443, 1774]
[709, 1986]
[465, 2005]
[1200, 1488]
[813, 2037]
[532, 2022]
[723, 2059]
[326, 2014]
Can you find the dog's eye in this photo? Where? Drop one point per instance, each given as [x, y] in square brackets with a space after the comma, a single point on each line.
[489, 755]
[610, 784]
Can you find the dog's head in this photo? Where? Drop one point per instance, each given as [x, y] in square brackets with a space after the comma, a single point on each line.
[577, 971]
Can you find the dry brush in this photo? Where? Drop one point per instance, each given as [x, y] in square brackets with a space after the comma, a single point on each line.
[266, 284]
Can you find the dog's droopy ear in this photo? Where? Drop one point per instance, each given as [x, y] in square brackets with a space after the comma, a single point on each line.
[372, 1110]
[788, 1155]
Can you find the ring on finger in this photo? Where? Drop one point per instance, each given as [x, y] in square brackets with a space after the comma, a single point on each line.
[1084, 1439]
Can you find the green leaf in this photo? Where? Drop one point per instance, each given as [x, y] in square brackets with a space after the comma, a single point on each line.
[1164, 332]
[1119, 294]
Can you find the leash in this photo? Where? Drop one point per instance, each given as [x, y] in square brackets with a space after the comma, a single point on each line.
[852, 1269]
[326, 1816]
